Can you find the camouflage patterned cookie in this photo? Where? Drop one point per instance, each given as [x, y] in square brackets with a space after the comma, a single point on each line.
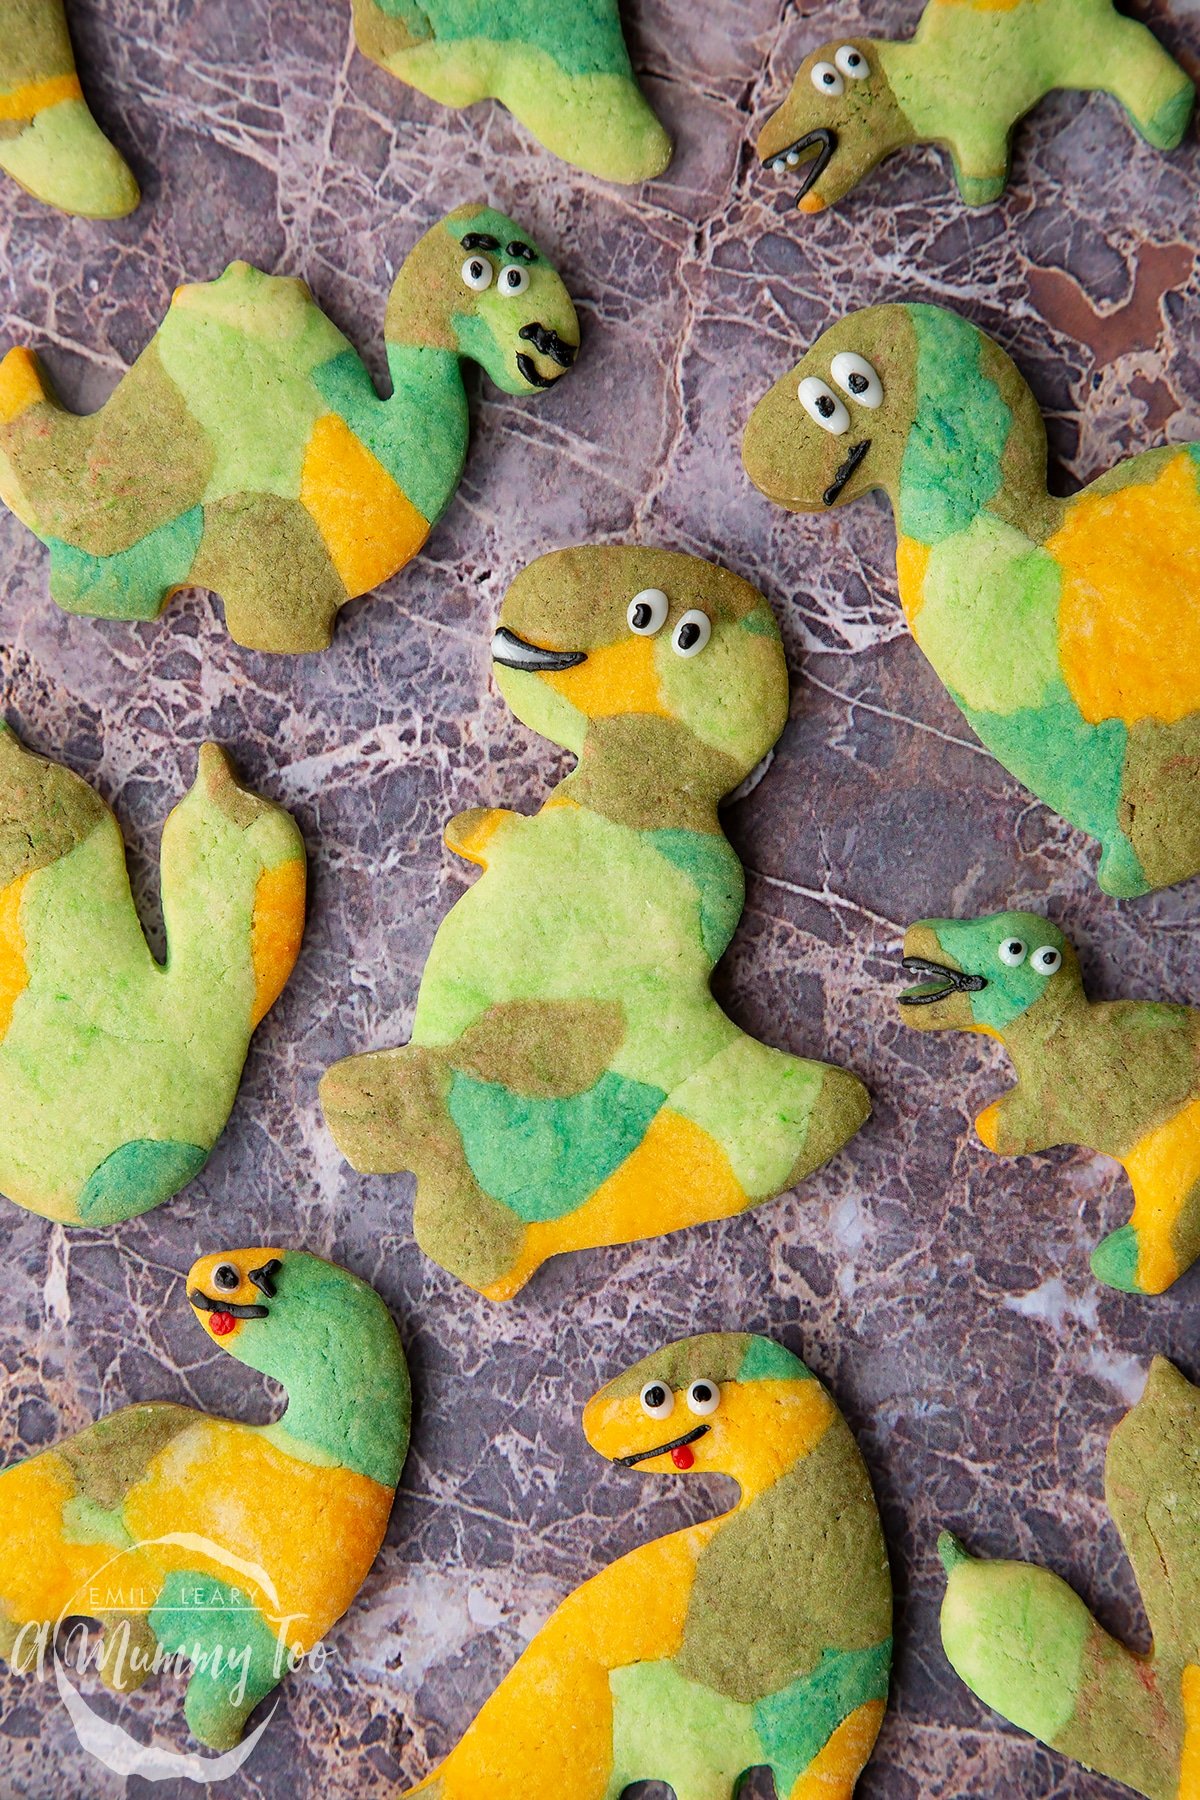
[561, 69]
[117, 1074]
[965, 80]
[1067, 630]
[571, 1081]
[231, 1547]
[1028, 1646]
[758, 1639]
[247, 451]
[49, 141]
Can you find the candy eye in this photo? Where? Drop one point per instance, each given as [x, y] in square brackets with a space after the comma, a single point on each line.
[648, 612]
[855, 376]
[692, 633]
[1012, 951]
[658, 1402]
[703, 1398]
[826, 79]
[823, 405]
[477, 272]
[226, 1276]
[1046, 960]
[852, 62]
[514, 279]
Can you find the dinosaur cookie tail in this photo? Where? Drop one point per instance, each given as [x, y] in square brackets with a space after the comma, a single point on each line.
[61, 156]
[22, 383]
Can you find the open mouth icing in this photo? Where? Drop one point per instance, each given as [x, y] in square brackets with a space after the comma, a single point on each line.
[547, 343]
[819, 145]
[513, 652]
[945, 982]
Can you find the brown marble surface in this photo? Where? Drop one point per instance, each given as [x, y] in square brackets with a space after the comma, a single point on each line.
[943, 1294]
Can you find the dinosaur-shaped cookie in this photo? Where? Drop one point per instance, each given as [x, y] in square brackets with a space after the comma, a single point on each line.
[224, 1545]
[760, 1638]
[117, 1074]
[49, 141]
[965, 80]
[247, 451]
[1119, 1076]
[1028, 1646]
[571, 1081]
[1067, 630]
[562, 70]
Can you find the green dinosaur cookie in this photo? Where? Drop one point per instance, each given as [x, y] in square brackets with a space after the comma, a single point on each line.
[561, 69]
[247, 451]
[1067, 630]
[1121, 1077]
[49, 141]
[571, 1081]
[968, 76]
[231, 1547]
[117, 1074]
[1029, 1647]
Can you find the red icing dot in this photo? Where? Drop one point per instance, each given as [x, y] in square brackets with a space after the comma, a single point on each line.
[222, 1323]
[682, 1456]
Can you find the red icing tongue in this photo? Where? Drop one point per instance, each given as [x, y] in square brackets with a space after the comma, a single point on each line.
[222, 1323]
[682, 1456]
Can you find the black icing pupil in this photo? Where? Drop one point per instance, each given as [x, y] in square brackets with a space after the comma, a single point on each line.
[655, 1396]
[1014, 946]
[688, 634]
[858, 384]
[825, 406]
[828, 79]
[642, 615]
[226, 1277]
[476, 270]
[854, 59]
[702, 1392]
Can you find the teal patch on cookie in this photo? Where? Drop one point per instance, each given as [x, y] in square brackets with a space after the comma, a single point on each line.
[952, 459]
[796, 1723]
[711, 864]
[1115, 1260]
[765, 1361]
[130, 584]
[138, 1176]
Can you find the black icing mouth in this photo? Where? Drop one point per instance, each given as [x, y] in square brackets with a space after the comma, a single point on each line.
[823, 140]
[689, 1437]
[546, 343]
[206, 1303]
[945, 982]
[845, 471]
[514, 653]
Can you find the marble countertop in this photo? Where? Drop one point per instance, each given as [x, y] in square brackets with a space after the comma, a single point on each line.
[942, 1293]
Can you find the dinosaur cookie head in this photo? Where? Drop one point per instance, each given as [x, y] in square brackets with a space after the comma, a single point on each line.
[840, 118]
[660, 662]
[232, 1293]
[477, 284]
[983, 974]
[722, 1404]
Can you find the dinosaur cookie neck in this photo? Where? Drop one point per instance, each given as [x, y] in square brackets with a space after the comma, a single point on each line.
[649, 773]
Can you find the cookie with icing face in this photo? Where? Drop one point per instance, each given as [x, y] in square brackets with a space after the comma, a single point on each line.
[1121, 1077]
[571, 1081]
[117, 1073]
[247, 451]
[49, 141]
[205, 1535]
[562, 70]
[1067, 630]
[761, 1638]
[964, 81]
[1029, 1648]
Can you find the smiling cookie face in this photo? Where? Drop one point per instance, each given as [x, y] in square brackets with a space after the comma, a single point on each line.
[231, 1289]
[981, 974]
[838, 121]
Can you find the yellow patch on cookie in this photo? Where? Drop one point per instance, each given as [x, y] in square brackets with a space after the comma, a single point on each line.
[1129, 616]
[1189, 1765]
[471, 841]
[14, 971]
[42, 1575]
[20, 384]
[834, 1770]
[1164, 1168]
[616, 678]
[276, 929]
[28, 101]
[912, 566]
[369, 526]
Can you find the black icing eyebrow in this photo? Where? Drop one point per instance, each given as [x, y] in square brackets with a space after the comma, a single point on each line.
[480, 240]
[526, 252]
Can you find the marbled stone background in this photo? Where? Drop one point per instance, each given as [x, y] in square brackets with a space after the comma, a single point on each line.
[943, 1294]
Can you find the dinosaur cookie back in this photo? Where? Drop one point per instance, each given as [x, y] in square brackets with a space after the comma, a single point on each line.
[49, 141]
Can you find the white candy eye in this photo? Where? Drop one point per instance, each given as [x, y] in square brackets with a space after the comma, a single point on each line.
[852, 62]
[692, 633]
[826, 79]
[703, 1398]
[647, 612]
[514, 279]
[823, 405]
[855, 376]
[477, 273]
[658, 1402]
[1046, 960]
[1012, 951]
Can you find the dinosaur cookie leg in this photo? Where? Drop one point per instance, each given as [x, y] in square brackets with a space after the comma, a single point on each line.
[981, 166]
[284, 598]
[1162, 1238]
[1131, 65]
[834, 1771]
[237, 1657]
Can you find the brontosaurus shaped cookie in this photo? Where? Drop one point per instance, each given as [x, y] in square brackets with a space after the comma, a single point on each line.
[247, 451]
[49, 141]
[1028, 1646]
[1067, 630]
[562, 70]
[571, 1081]
[1119, 1076]
[760, 1638]
[228, 1546]
[117, 1074]
[968, 76]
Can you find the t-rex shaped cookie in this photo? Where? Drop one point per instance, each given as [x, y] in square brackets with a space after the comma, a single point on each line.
[228, 1546]
[970, 74]
[1029, 1647]
[49, 141]
[1119, 1076]
[571, 1081]
[562, 70]
[117, 1074]
[1067, 630]
[247, 450]
[758, 1639]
